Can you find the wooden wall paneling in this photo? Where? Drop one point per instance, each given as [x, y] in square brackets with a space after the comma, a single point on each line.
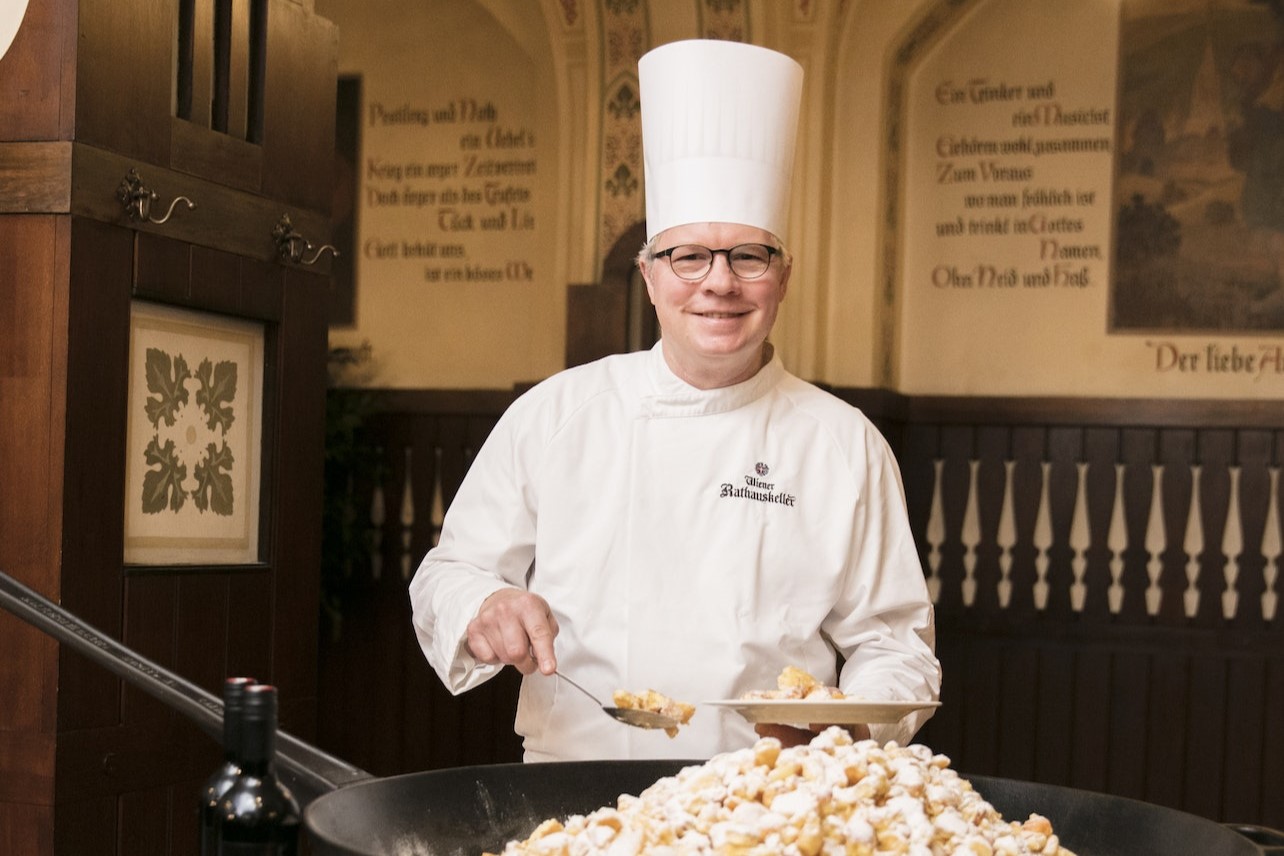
[1254, 458]
[1206, 734]
[360, 667]
[30, 454]
[391, 614]
[299, 436]
[239, 70]
[957, 448]
[1029, 444]
[1176, 452]
[94, 468]
[413, 739]
[202, 63]
[262, 292]
[983, 718]
[248, 633]
[420, 684]
[1273, 739]
[299, 112]
[216, 281]
[496, 713]
[451, 743]
[1126, 761]
[944, 731]
[916, 458]
[219, 157]
[594, 313]
[162, 269]
[1055, 736]
[1244, 788]
[36, 70]
[1091, 702]
[993, 445]
[151, 628]
[225, 216]
[1101, 454]
[1166, 725]
[1065, 451]
[33, 331]
[85, 826]
[478, 429]
[1138, 454]
[124, 97]
[25, 828]
[35, 177]
[1018, 709]
[1216, 450]
[200, 610]
[145, 823]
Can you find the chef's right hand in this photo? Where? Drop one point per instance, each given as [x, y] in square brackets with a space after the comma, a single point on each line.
[516, 628]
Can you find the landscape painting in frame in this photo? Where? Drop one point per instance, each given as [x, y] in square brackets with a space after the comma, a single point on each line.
[1199, 241]
[194, 438]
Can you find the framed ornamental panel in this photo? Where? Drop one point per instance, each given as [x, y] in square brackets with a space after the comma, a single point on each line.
[194, 451]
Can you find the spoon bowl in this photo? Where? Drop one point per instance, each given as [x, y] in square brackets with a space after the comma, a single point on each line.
[627, 715]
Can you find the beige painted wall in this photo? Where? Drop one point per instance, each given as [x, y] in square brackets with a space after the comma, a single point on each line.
[460, 282]
[544, 72]
[875, 299]
[1008, 240]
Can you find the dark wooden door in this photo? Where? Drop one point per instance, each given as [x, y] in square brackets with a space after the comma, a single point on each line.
[87, 95]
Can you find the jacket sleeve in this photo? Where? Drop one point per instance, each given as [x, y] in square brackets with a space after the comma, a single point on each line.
[487, 542]
[884, 625]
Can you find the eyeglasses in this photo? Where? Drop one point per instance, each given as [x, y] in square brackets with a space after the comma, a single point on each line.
[693, 261]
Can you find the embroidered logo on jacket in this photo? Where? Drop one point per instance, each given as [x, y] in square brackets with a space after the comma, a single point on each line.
[757, 489]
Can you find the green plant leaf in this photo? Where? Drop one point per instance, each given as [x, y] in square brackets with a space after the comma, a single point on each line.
[165, 377]
[218, 389]
[161, 487]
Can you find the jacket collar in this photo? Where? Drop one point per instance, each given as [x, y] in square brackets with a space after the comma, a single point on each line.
[673, 397]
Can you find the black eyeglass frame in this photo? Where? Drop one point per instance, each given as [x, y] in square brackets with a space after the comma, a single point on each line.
[772, 252]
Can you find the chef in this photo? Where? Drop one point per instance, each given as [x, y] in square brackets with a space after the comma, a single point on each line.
[690, 519]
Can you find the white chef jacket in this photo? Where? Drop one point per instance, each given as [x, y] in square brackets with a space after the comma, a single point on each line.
[690, 541]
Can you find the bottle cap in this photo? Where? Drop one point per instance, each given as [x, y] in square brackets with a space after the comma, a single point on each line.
[259, 703]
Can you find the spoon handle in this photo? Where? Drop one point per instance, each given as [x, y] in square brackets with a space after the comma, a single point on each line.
[580, 688]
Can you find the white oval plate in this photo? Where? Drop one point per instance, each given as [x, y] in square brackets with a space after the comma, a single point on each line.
[827, 711]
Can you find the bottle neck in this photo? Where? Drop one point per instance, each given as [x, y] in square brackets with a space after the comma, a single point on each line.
[233, 714]
[258, 744]
[258, 731]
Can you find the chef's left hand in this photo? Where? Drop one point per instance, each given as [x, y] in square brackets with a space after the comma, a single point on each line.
[788, 735]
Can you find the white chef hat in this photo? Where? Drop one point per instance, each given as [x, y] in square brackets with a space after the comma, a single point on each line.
[718, 126]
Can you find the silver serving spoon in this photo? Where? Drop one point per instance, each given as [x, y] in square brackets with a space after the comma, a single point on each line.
[629, 716]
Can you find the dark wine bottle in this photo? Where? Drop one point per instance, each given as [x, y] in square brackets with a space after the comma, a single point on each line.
[222, 778]
[257, 815]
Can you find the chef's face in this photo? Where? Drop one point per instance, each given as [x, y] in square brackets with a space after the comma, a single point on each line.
[713, 328]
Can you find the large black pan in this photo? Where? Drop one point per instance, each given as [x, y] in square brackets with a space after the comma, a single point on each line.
[469, 810]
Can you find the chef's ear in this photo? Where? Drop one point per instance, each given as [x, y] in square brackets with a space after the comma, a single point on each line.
[786, 270]
[646, 265]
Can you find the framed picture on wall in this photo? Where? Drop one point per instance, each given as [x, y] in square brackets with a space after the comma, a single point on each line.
[193, 457]
[1200, 184]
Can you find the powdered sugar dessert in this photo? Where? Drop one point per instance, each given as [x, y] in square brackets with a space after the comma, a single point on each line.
[833, 796]
[679, 711]
[794, 683]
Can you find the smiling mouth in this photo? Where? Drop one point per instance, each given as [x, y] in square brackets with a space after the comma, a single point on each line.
[721, 315]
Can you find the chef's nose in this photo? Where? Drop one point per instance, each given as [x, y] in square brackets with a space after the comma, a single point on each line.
[720, 279]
